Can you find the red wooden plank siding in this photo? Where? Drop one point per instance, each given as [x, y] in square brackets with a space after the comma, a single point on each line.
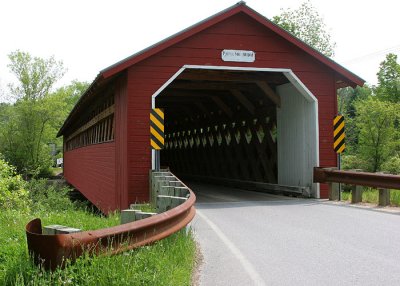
[238, 32]
[91, 170]
[120, 127]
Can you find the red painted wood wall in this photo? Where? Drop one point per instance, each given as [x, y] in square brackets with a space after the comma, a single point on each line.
[99, 171]
[91, 170]
[237, 32]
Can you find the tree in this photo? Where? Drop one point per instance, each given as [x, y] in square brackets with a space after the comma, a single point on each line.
[347, 99]
[306, 24]
[377, 134]
[69, 96]
[27, 125]
[36, 76]
[389, 79]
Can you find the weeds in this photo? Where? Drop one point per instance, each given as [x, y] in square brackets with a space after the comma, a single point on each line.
[370, 195]
[167, 262]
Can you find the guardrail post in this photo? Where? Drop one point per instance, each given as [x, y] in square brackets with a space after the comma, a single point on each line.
[333, 189]
[384, 197]
[356, 191]
[165, 203]
[356, 194]
[128, 215]
[155, 177]
[59, 229]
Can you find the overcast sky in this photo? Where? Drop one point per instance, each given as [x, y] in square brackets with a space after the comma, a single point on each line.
[88, 36]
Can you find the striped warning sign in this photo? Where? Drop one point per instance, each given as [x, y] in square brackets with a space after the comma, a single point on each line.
[338, 134]
[157, 129]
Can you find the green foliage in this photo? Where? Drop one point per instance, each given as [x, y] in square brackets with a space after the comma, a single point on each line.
[168, 262]
[370, 195]
[28, 126]
[36, 76]
[389, 79]
[13, 193]
[306, 24]
[45, 196]
[375, 121]
[353, 162]
[372, 121]
[392, 165]
[347, 98]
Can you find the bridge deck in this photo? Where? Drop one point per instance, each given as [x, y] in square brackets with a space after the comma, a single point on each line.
[252, 238]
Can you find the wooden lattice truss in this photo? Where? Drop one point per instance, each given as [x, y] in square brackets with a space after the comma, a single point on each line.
[222, 124]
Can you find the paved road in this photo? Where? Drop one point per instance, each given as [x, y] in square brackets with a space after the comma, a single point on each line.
[250, 238]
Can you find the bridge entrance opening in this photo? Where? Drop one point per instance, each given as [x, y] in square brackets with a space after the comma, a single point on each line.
[242, 127]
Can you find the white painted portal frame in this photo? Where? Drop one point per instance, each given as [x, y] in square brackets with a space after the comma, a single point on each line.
[297, 127]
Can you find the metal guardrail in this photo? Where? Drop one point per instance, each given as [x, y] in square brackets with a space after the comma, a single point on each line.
[332, 176]
[53, 251]
[374, 180]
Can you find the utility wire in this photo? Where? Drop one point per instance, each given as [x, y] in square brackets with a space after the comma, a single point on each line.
[373, 54]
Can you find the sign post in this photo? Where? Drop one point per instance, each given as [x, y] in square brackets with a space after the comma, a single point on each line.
[338, 141]
[157, 134]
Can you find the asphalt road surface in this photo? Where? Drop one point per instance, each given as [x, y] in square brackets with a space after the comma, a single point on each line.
[250, 238]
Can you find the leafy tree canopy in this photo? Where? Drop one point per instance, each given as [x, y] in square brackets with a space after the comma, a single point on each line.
[389, 79]
[306, 24]
[30, 125]
[36, 76]
[377, 133]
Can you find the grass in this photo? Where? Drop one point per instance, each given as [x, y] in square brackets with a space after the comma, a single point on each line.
[370, 195]
[56, 170]
[168, 262]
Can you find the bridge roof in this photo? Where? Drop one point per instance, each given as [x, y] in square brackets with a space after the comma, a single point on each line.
[347, 78]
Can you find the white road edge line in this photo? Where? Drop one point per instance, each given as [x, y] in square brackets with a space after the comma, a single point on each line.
[248, 267]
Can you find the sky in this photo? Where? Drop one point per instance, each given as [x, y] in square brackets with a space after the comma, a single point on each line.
[89, 36]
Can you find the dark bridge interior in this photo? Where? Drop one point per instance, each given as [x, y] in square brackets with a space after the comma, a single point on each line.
[221, 123]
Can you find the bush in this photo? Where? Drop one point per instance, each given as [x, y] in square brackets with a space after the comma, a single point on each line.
[392, 165]
[353, 162]
[45, 196]
[13, 193]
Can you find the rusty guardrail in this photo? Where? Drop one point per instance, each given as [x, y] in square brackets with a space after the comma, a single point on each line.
[52, 251]
[357, 179]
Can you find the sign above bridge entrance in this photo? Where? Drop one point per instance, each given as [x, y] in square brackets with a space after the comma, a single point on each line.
[238, 56]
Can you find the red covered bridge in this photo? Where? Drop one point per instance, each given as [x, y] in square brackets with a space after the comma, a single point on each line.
[243, 100]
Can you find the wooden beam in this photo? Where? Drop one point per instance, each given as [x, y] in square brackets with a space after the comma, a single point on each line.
[234, 76]
[269, 92]
[105, 113]
[190, 93]
[203, 109]
[225, 108]
[243, 100]
[209, 85]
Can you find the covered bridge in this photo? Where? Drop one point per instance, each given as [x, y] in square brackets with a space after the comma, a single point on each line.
[243, 100]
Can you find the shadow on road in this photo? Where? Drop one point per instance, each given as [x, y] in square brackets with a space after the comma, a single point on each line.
[210, 196]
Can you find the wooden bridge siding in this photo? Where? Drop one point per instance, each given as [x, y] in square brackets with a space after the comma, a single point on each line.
[91, 170]
[204, 48]
[121, 161]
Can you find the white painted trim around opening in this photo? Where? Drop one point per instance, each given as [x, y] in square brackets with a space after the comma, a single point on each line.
[290, 75]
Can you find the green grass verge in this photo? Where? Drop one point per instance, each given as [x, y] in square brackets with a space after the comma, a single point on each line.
[370, 195]
[168, 262]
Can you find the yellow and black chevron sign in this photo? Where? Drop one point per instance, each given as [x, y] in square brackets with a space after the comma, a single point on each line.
[157, 129]
[338, 134]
